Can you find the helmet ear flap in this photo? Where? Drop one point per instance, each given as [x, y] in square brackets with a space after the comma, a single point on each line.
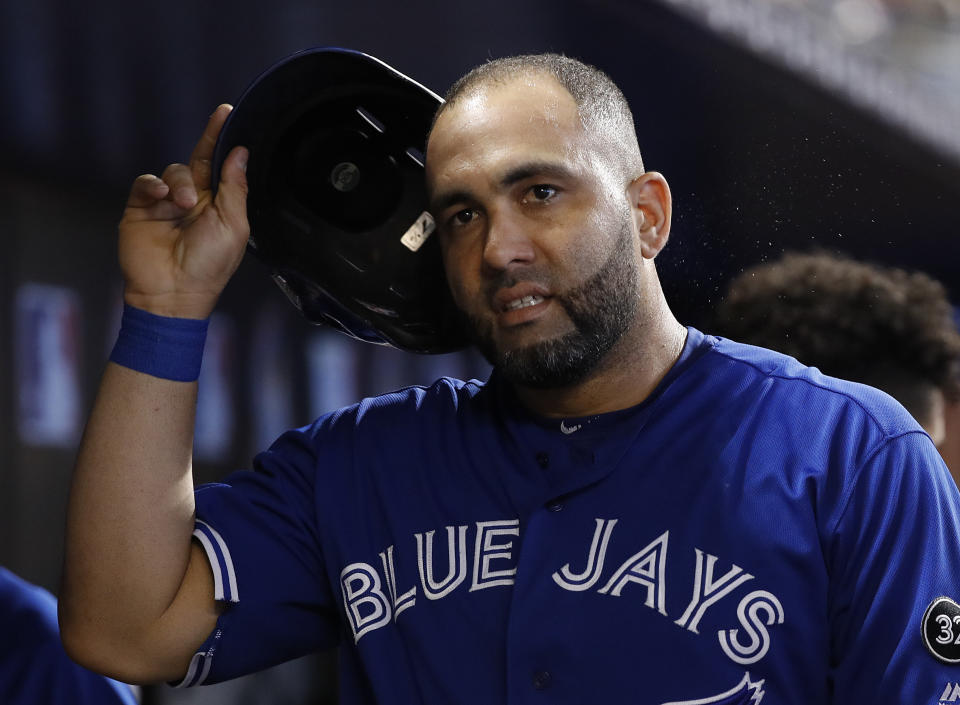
[337, 199]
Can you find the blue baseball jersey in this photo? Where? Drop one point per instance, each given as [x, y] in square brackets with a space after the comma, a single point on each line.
[754, 529]
[34, 668]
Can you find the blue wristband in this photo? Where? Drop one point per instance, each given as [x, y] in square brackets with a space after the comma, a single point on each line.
[169, 348]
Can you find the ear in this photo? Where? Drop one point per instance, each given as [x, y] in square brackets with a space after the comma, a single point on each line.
[652, 207]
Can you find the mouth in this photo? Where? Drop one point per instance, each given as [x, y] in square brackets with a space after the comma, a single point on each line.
[518, 296]
[523, 302]
[520, 306]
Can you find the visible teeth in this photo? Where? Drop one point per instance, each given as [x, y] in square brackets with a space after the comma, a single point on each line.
[524, 302]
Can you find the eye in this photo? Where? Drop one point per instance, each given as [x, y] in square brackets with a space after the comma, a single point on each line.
[542, 192]
[464, 217]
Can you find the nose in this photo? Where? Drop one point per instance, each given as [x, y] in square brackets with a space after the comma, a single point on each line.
[507, 242]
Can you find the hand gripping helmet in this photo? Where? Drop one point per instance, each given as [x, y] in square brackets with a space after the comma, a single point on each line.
[337, 200]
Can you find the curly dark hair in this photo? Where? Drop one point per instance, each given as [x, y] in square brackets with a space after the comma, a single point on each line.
[879, 325]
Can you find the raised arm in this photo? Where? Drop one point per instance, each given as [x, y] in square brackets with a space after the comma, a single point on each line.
[137, 597]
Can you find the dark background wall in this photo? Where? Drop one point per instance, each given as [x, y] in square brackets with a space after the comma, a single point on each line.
[93, 94]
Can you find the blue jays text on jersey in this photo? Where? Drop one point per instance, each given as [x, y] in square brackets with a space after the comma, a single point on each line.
[372, 600]
[753, 529]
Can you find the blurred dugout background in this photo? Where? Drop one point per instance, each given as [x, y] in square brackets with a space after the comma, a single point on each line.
[780, 124]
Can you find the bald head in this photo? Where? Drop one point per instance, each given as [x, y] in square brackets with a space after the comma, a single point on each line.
[601, 105]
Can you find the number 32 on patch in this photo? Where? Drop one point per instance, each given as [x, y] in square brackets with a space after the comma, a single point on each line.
[941, 629]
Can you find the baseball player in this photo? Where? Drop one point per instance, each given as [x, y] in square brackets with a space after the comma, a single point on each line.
[628, 510]
[883, 326]
[33, 666]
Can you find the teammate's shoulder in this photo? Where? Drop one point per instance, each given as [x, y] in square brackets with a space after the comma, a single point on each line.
[27, 609]
[786, 381]
[17, 593]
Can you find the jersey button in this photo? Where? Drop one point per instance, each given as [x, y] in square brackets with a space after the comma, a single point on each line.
[543, 460]
[541, 680]
[555, 507]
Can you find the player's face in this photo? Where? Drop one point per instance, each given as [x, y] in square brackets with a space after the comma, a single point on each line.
[536, 231]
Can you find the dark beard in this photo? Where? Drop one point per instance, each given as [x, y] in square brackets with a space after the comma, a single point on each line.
[601, 310]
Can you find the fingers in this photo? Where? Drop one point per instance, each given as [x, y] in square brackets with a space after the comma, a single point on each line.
[147, 189]
[183, 189]
[231, 197]
[182, 186]
[203, 152]
[175, 187]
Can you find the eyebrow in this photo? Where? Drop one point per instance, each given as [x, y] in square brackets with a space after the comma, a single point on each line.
[528, 170]
[445, 200]
[519, 173]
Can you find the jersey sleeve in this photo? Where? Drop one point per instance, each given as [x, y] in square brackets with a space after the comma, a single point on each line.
[894, 551]
[259, 531]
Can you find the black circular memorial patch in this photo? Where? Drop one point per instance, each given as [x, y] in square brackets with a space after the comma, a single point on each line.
[941, 629]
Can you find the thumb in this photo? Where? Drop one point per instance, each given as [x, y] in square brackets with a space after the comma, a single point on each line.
[231, 199]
